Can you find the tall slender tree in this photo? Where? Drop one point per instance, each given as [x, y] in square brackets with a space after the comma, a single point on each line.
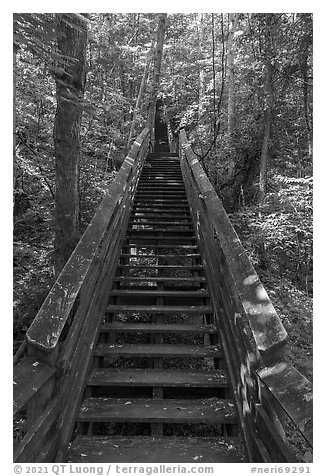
[268, 26]
[230, 76]
[156, 74]
[70, 86]
[140, 95]
[201, 73]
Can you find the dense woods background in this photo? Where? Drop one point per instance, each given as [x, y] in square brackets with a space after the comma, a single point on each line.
[241, 84]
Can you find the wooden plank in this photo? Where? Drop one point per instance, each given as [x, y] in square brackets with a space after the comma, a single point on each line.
[169, 267]
[36, 438]
[156, 350]
[159, 256]
[160, 215]
[30, 375]
[210, 410]
[158, 378]
[142, 220]
[159, 328]
[174, 247]
[165, 205]
[160, 309]
[49, 322]
[155, 450]
[159, 279]
[132, 237]
[202, 293]
[293, 392]
[276, 446]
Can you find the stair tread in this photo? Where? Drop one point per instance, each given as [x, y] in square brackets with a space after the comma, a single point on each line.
[149, 222]
[158, 377]
[172, 231]
[155, 292]
[159, 350]
[159, 309]
[144, 449]
[161, 266]
[127, 255]
[198, 279]
[174, 247]
[163, 204]
[132, 235]
[157, 328]
[212, 410]
[160, 207]
[161, 190]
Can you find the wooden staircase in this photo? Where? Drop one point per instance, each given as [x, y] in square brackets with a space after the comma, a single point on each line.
[159, 389]
[158, 342]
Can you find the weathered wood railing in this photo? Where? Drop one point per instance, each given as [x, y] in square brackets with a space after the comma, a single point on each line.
[49, 381]
[267, 389]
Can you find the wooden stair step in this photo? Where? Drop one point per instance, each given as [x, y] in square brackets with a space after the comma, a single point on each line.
[169, 165]
[170, 267]
[164, 279]
[146, 255]
[154, 200]
[86, 449]
[169, 168]
[156, 187]
[130, 292]
[159, 230]
[160, 216]
[162, 211]
[141, 198]
[163, 196]
[174, 247]
[162, 177]
[144, 188]
[113, 308]
[210, 410]
[136, 221]
[174, 206]
[158, 378]
[159, 350]
[162, 181]
[153, 174]
[158, 328]
[141, 238]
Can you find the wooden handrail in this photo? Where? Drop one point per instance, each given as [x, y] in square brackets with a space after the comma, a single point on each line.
[294, 394]
[50, 320]
[266, 388]
[267, 328]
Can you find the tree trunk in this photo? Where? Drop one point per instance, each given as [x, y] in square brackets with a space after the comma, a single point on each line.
[70, 85]
[230, 78]
[156, 74]
[305, 86]
[264, 157]
[140, 95]
[201, 86]
[269, 105]
[14, 118]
